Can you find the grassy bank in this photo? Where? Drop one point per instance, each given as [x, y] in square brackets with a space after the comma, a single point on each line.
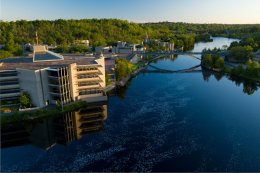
[20, 116]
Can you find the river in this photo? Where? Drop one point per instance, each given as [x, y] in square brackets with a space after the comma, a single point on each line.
[195, 121]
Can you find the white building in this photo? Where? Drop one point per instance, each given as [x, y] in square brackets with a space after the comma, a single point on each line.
[49, 77]
[82, 42]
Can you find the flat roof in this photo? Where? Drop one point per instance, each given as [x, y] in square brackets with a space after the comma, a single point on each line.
[46, 56]
[27, 62]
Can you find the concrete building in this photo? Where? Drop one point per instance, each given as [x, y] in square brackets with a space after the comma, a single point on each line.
[124, 48]
[110, 69]
[49, 77]
[140, 48]
[103, 50]
[9, 85]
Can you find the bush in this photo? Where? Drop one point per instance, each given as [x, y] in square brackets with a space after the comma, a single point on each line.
[25, 100]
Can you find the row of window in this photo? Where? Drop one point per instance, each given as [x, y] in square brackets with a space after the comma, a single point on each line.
[86, 68]
[88, 92]
[8, 74]
[88, 83]
[83, 76]
[4, 83]
[9, 91]
[9, 98]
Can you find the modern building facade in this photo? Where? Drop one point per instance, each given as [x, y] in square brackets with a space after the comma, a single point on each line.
[9, 85]
[50, 78]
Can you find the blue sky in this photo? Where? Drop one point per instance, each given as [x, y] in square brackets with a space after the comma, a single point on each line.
[192, 11]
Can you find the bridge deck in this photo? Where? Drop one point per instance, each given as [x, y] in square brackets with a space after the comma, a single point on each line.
[177, 53]
[188, 70]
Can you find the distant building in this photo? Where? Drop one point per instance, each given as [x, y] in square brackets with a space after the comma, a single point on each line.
[2, 46]
[169, 46]
[49, 77]
[148, 41]
[28, 47]
[257, 55]
[110, 68]
[140, 48]
[103, 50]
[82, 42]
[123, 48]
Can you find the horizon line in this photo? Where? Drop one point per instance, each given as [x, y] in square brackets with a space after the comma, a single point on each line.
[130, 21]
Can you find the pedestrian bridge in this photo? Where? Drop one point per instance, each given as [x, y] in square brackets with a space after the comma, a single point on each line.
[222, 53]
[169, 53]
[155, 69]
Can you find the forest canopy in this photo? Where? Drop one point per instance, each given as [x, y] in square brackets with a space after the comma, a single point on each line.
[102, 32]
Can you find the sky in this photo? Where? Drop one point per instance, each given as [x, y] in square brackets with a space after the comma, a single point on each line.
[191, 11]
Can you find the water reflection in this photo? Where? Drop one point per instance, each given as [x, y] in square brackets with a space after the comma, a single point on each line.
[207, 75]
[46, 133]
[249, 87]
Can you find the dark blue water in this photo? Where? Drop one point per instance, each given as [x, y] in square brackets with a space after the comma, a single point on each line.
[162, 122]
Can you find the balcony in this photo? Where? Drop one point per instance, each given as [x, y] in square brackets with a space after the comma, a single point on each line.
[96, 79]
[14, 86]
[88, 87]
[4, 78]
[16, 94]
[89, 72]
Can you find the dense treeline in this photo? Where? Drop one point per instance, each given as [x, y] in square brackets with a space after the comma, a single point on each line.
[60, 32]
[242, 51]
[103, 32]
[227, 30]
[108, 31]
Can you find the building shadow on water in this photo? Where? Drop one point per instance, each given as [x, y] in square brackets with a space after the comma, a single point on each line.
[63, 129]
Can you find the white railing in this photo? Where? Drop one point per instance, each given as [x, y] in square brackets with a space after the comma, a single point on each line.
[29, 109]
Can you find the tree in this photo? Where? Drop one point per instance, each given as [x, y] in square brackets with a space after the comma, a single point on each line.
[10, 42]
[219, 63]
[207, 60]
[124, 68]
[5, 54]
[240, 54]
[25, 100]
[252, 68]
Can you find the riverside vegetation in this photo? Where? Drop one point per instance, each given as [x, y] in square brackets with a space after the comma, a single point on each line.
[55, 111]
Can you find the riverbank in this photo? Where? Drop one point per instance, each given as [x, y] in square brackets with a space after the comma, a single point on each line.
[124, 81]
[30, 115]
[228, 71]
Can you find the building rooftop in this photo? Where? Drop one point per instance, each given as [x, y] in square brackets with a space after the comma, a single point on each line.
[46, 56]
[28, 63]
